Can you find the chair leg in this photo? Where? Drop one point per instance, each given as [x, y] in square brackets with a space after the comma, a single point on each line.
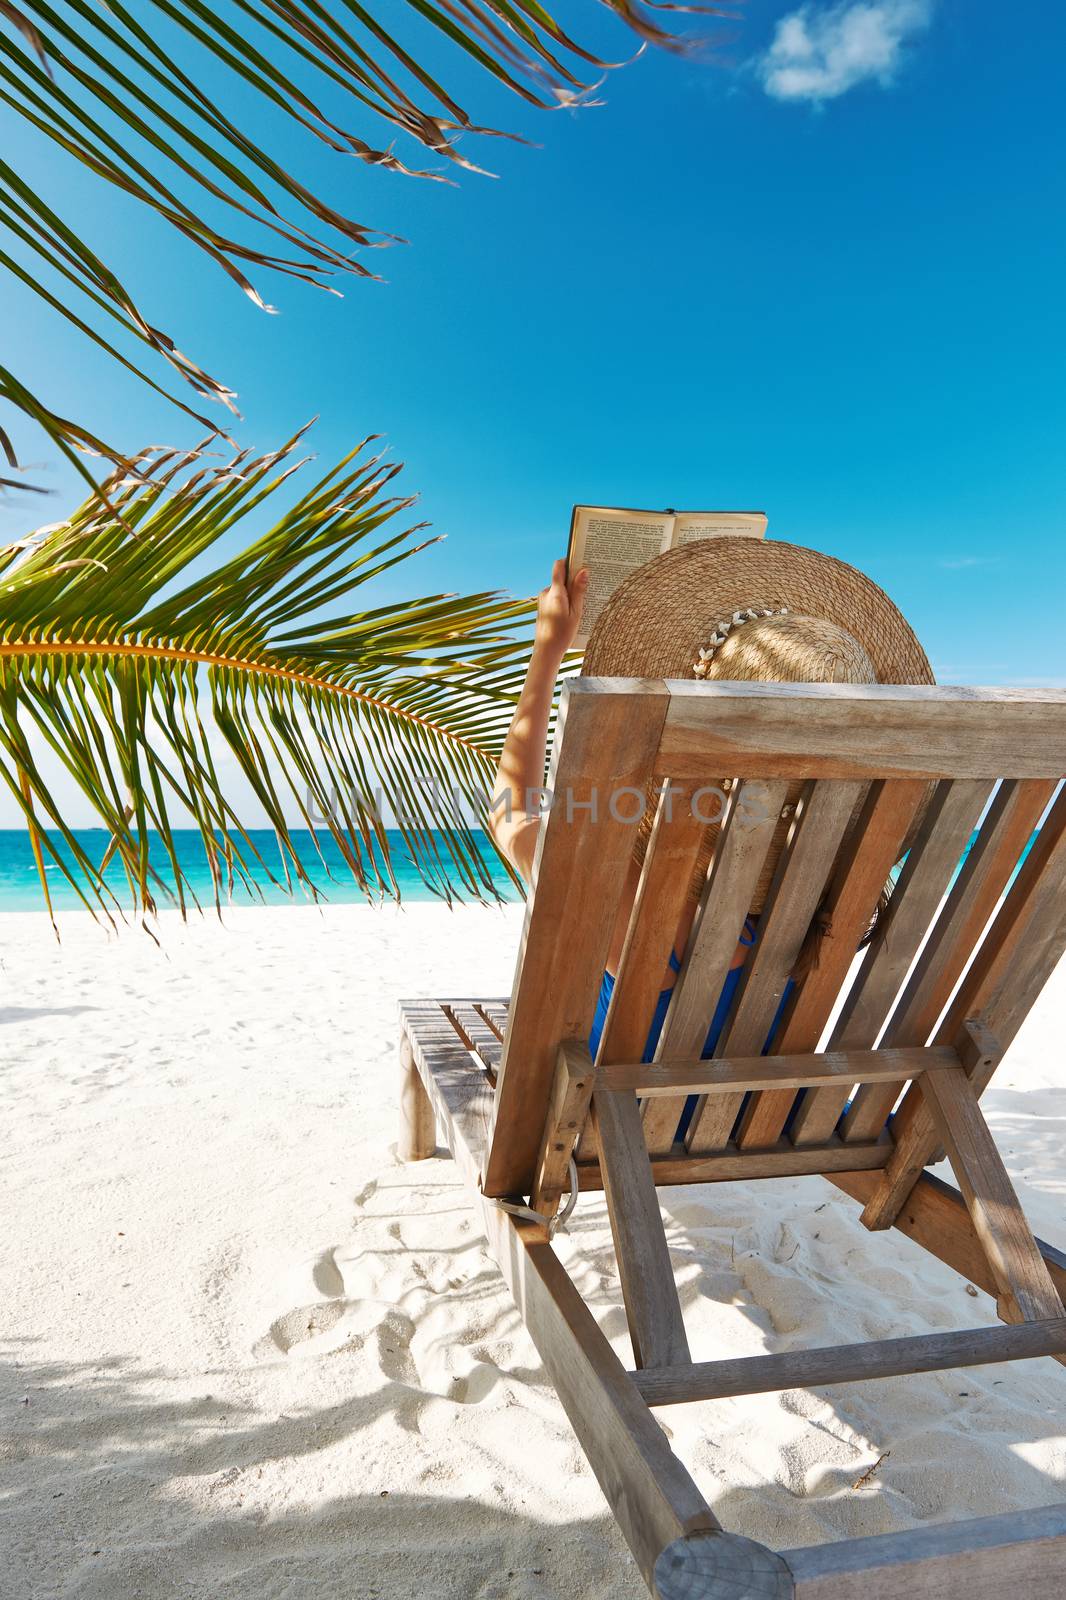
[649, 1291]
[418, 1128]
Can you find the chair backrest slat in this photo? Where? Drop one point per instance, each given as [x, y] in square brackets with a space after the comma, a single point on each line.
[873, 847]
[945, 831]
[1004, 834]
[1019, 953]
[799, 883]
[749, 823]
[617, 733]
[1023, 945]
[662, 893]
[987, 871]
[669, 863]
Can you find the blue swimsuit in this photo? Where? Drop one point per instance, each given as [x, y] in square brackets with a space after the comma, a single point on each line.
[721, 1012]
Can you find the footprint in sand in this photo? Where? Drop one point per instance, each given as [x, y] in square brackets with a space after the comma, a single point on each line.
[321, 1325]
[394, 1334]
[341, 1320]
[306, 1324]
[387, 1293]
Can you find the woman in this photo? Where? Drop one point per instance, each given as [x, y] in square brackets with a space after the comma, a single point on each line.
[721, 609]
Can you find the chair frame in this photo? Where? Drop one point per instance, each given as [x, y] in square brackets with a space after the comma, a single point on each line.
[938, 998]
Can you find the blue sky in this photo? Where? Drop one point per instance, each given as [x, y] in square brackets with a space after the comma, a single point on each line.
[819, 271]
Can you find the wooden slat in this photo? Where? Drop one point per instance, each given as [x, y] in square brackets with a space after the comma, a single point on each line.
[860, 875]
[1020, 1553]
[658, 907]
[783, 1161]
[748, 828]
[848, 731]
[935, 854]
[652, 1496]
[653, 1310]
[567, 1108]
[798, 885]
[495, 1014]
[745, 1073]
[478, 1036]
[604, 742]
[1017, 1265]
[1018, 955]
[986, 873]
[1025, 942]
[850, 1363]
[1005, 832]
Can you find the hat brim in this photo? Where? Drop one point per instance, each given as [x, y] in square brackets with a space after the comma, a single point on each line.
[657, 619]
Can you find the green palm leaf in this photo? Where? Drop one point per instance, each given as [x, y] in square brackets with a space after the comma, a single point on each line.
[125, 95]
[121, 647]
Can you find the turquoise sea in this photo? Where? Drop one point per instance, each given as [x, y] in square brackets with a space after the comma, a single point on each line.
[20, 887]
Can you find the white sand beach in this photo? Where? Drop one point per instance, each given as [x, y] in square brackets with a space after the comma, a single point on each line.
[246, 1353]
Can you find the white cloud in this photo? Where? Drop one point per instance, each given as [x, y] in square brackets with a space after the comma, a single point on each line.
[818, 53]
[957, 563]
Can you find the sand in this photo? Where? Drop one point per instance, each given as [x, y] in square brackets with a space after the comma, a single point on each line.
[246, 1353]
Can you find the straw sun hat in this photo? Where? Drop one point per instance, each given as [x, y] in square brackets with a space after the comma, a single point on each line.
[738, 608]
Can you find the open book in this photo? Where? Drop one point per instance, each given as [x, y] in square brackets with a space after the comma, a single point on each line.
[613, 542]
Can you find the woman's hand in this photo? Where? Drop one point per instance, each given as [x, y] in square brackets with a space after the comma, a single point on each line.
[559, 609]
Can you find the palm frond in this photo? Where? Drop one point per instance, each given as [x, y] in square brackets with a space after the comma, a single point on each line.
[126, 96]
[121, 647]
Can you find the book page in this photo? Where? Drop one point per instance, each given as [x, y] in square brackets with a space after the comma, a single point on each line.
[692, 525]
[612, 543]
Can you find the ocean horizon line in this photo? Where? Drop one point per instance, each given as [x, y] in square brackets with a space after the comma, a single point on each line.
[20, 886]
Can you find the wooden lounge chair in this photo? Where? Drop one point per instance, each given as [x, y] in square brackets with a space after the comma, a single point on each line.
[936, 1002]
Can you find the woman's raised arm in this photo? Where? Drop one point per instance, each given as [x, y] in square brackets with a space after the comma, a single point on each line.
[520, 775]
